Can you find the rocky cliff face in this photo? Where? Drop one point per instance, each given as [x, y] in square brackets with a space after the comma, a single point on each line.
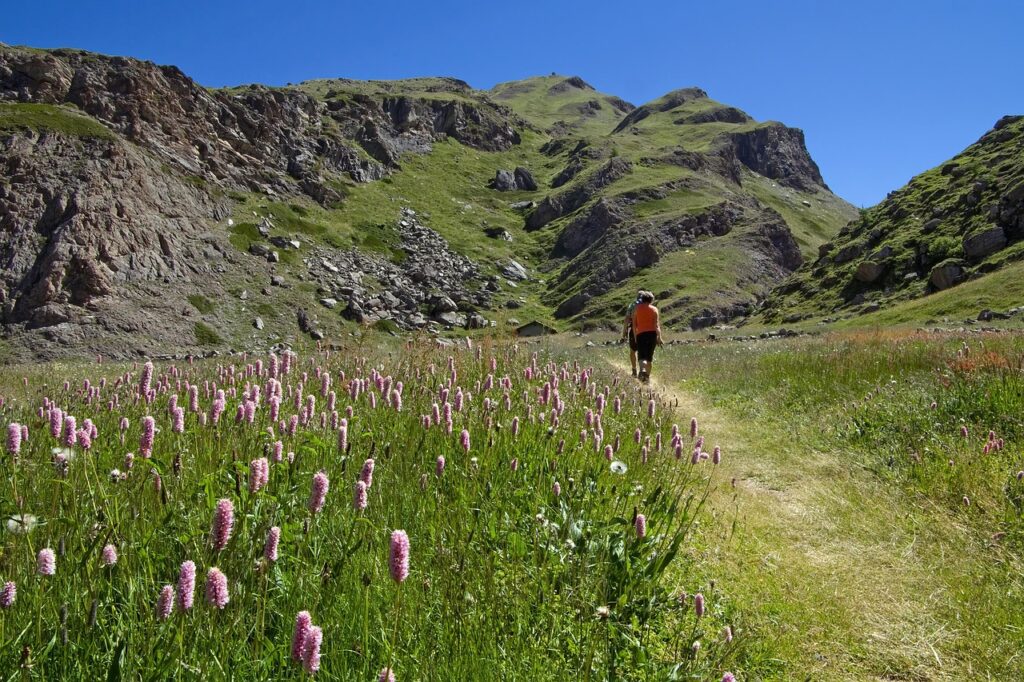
[952, 223]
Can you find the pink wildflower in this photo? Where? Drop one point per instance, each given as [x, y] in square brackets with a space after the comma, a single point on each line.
[311, 649]
[386, 675]
[641, 526]
[46, 562]
[439, 466]
[223, 521]
[366, 475]
[303, 622]
[270, 549]
[186, 585]
[148, 434]
[698, 604]
[13, 439]
[464, 440]
[165, 603]
[8, 594]
[399, 556]
[109, 557]
[259, 474]
[216, 588]
[359, 498]
[318, 493]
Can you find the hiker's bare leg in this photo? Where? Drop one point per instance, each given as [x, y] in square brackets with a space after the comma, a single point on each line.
[632, 360]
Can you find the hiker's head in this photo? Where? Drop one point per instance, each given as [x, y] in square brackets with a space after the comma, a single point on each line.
[639, 295]
[646, 297]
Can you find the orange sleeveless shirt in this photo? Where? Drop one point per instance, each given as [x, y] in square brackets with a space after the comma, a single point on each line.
[645, 318]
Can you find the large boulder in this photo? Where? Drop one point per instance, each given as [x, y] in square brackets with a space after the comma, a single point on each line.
[982, 243]
[946, 274]
[848, 253]
[504, 181]
[524, 180]
[869, 271]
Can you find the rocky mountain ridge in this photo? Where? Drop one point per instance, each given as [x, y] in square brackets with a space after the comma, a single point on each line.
[957, 222]
[135, 199]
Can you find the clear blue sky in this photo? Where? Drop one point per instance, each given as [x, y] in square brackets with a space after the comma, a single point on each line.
[883, 90]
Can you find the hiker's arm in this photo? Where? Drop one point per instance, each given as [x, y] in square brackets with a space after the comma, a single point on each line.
[657, 322]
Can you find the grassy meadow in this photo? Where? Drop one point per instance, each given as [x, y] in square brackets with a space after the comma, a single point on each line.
[547, 510]
[878, 505]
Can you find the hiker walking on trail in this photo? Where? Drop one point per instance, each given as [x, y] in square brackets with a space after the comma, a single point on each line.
[647, 328]
[627, 330]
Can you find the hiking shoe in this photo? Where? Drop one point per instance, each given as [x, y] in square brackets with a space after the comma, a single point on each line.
[643, 377]
[634, 373]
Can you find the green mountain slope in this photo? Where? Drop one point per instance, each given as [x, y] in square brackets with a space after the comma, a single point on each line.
[420, 204]
[955, 223]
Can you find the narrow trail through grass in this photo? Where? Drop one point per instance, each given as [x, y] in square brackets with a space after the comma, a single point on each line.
[837, 574]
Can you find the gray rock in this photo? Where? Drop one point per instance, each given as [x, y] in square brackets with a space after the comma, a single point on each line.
[848, 253]
[244, 296]
[476, 321]
[274, 257]
[277, 281]
[869, 271]
[945, 275]
[328, 302]
[524, 180]
[258, 323]
[514, 270]
[522, 205]
[504, 181]
[261, 250]
[984, 243]
[443, 304]
[931, 225]
[451, 319]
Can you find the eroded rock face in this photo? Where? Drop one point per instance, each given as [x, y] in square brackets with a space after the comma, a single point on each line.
[96, 232]
[558, 205]
[984, 243]
[777, 152]
[946, 275]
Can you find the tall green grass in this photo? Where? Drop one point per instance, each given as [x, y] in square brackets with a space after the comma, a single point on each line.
[509, 579]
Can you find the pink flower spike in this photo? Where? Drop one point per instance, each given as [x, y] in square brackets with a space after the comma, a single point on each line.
[216, 588]
[399, 556]
[165, 603]
[270, 549]
[318, 493]
[46, 562]
[366, 474]
[186, 585]
[13, 439]
[311, 649]
[641, 526]
[8, 594]
[386, 675]
[109, 557]
[223, 521]
[359, 497]
[303, 622]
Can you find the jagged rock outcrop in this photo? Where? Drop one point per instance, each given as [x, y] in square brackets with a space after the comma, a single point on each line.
[777, 152]
[97, 241]
[955, 222]
[558, 205]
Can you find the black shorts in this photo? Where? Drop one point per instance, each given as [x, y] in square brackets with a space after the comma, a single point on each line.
[645, 344]
[632, 340]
